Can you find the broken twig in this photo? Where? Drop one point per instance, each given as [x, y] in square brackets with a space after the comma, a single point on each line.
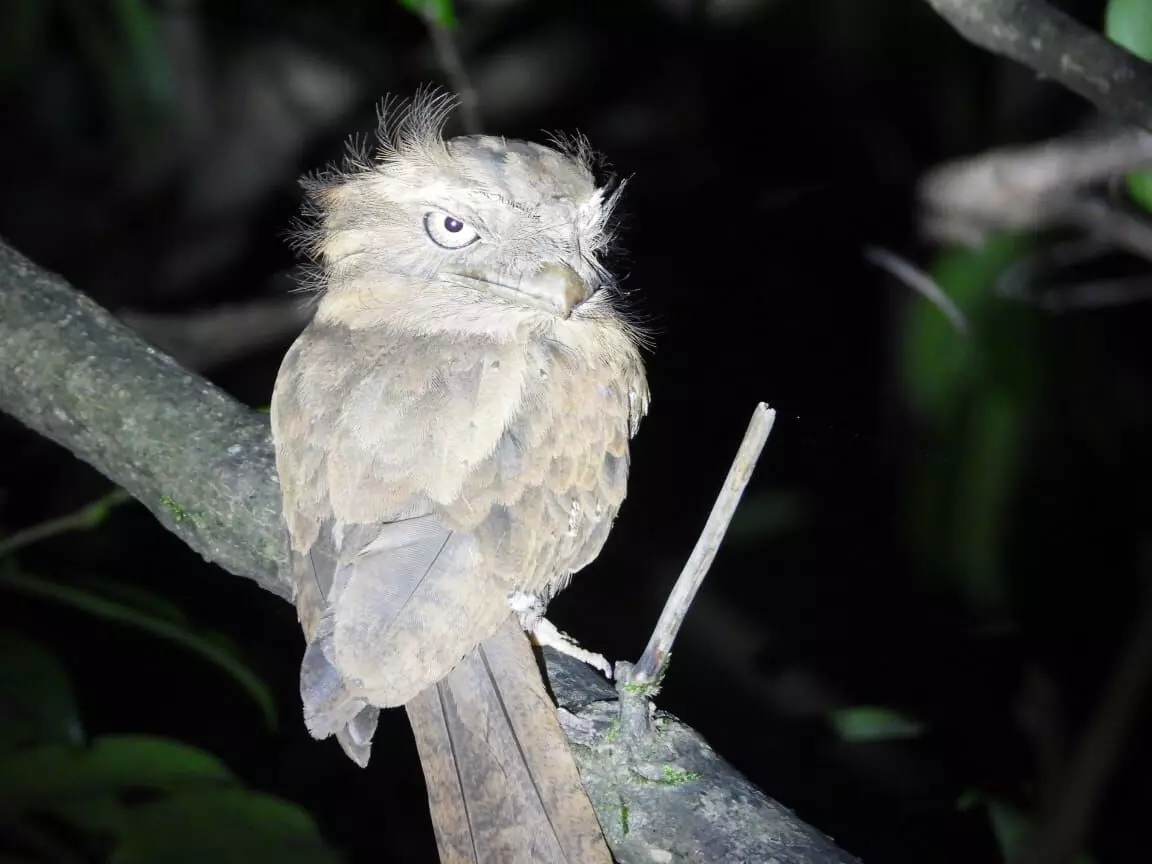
[920, 282]
[651, 664]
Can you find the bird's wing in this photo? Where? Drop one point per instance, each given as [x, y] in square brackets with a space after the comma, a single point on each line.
[437, 479]
[391, 595]
[404, 608]
[396, 618]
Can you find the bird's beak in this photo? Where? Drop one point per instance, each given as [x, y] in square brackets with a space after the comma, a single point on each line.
[557, 286]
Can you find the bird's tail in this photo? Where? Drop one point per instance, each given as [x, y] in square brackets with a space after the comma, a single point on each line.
[502, 785]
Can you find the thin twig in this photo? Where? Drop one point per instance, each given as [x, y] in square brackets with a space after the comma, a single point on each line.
[88, 516]
[1114, 225]
[920, 282]
[1102, 294]
[1065, 829]
[1029, 280]
[450, 60]
[651, 663]
[1019, 280]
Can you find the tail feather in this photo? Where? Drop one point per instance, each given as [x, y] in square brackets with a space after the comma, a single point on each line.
[329, 707]
[502, 785]
[356, 737]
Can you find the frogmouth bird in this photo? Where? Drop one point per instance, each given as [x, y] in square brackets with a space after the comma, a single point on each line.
[452, 433]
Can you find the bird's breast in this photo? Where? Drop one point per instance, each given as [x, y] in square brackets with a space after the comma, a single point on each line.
[523, 445]
[541, 503]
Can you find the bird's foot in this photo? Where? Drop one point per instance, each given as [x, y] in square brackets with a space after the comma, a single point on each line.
[543, 632]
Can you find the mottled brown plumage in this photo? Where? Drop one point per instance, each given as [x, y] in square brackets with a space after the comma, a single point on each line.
[452, 431]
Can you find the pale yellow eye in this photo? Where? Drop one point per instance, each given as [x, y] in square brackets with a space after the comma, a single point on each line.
[448, 231]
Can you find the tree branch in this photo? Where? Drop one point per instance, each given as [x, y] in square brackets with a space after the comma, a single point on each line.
[198, 459]
[1028, 187]
[1051, 184]
[649, 669]
[1043, 38]
[203, 464]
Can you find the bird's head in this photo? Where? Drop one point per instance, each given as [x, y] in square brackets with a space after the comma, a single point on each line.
[474, 234]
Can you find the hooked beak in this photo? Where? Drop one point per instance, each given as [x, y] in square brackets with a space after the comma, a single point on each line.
[555, 288]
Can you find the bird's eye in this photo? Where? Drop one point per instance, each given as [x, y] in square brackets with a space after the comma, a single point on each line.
[448, 231]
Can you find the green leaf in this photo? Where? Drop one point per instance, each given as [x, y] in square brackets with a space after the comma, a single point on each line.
[1128, 23]
[144, 50]
[221, 826]
[36, 701]
[55, 774]
[1010, 827]
[866, 723]
[197, 811]
[975, 398]
[1140, 189]
[147, 622]
[982, 497]
[1013, 830]
[441, 12]
[938, 362]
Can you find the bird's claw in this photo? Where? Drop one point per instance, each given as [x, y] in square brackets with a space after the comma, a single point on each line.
[544, 632]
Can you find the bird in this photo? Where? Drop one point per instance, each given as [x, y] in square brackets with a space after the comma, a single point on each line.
[452, 434]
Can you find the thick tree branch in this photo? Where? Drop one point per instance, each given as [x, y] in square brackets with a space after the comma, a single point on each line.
[199, 460]
[1043, 38]
[202, 463]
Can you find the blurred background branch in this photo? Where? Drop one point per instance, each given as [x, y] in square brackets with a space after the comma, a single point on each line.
[1061, 49]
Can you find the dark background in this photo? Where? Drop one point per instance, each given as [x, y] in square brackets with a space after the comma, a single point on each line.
[976, 566]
